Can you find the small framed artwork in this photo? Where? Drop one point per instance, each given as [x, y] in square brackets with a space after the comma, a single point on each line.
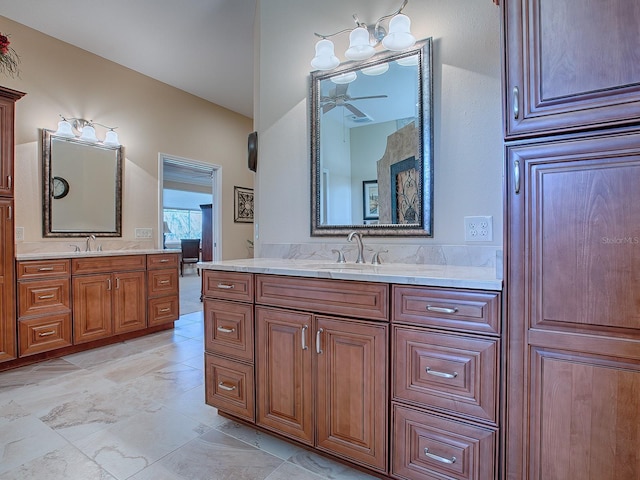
[243, 205]
[370, 200]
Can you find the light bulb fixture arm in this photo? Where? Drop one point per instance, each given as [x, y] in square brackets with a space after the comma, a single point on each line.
[364, 25]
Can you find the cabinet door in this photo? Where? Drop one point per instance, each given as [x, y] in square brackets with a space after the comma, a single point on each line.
[92, 308]
[570, 65]
[352, 391]
[129, 302]
[7, 113]
[284, 376]
[573, 310]
[7, 288]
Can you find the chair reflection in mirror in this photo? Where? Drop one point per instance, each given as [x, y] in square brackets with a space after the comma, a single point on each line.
[190, 253]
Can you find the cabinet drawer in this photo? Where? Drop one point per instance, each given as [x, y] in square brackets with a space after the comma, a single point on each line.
[120, 263]
[43, 268]
[43, 334]
[162, 260]
[43, 297]
[229, 386]
[426, 446]
[444, 371]
[336, 297]
[162, 282]
[227, 285]
[464, 310]
[228, 329]
[163, 310]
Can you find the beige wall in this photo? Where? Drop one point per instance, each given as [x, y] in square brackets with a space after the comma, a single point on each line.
[151, 118]
[467, 112]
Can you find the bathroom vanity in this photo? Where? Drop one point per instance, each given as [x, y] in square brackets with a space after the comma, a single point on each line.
[68, 302]
[393, 368]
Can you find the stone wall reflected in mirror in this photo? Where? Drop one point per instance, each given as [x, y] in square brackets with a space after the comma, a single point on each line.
[371, 122]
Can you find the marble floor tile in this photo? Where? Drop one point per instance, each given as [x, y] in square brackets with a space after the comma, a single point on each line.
[66, 463]
[192, 404]
[326, 468]
[288, 471]
[129, 446]
[261, 440]
[36, 373]
[213, 456]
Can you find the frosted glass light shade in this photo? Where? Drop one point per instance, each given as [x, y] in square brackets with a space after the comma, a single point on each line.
[325, 58]
[399, 36]
[376, 69]
[89, 134]
[111, 139]
[344, 78]
[64, 129]
[359, 46]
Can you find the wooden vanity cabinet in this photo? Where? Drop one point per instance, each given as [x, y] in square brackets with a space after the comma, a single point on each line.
[163, 289]
[446, 379]
[342, 408]
[44, 305]
[111, 302]
[570, 66]
[8, 346]
[229, 342]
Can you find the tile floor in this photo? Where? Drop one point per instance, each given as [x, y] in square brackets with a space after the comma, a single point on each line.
[135, 410]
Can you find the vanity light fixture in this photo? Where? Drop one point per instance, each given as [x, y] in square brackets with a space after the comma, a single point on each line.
[364, 38]
[87, 131]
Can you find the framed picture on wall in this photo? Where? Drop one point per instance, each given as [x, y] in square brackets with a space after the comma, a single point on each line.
[370, 200]
[242, 205]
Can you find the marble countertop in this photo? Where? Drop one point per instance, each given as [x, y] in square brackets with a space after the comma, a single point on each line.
[106, 253]
[453, 276]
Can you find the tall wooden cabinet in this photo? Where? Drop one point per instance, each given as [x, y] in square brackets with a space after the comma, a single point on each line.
[572, 246]
[8, 349]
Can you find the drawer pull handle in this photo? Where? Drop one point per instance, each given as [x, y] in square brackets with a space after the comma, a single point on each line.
[226, 286]
[318, 346]
[304, 337]
[227, 387]
[164, 260]
[431, 308]
[439, 458]
[45, 269]
[46, 297]
[47, 334]
[164, 282]
[226, 330]
[165, 310]
[436, 373]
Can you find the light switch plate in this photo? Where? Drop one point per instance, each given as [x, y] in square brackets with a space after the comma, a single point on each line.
[19, 234]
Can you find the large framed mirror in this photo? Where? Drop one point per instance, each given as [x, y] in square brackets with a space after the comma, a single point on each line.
[372, 146]
[81, 188]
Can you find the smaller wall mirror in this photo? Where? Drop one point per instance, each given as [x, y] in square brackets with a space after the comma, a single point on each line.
[372, 146]
[81, 188]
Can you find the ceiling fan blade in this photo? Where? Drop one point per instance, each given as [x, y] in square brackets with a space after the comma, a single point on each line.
[366, 98]
[355, 111]
[328, 107]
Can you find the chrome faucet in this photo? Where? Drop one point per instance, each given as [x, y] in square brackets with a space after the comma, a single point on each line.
[89, 238]
[358, 238]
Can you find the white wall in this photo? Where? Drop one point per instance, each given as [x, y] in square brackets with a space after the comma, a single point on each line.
[467, 113]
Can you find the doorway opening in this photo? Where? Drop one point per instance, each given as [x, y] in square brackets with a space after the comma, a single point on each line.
[189, 198]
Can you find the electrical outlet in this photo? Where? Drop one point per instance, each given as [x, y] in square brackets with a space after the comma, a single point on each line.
[144, 232]
[19, 234]
[478, 229]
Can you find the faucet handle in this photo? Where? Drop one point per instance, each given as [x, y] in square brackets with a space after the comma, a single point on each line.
[340, 256]
[375, 260]
[76, 247]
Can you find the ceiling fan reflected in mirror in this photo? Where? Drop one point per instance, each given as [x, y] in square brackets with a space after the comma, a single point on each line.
[338, 97]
